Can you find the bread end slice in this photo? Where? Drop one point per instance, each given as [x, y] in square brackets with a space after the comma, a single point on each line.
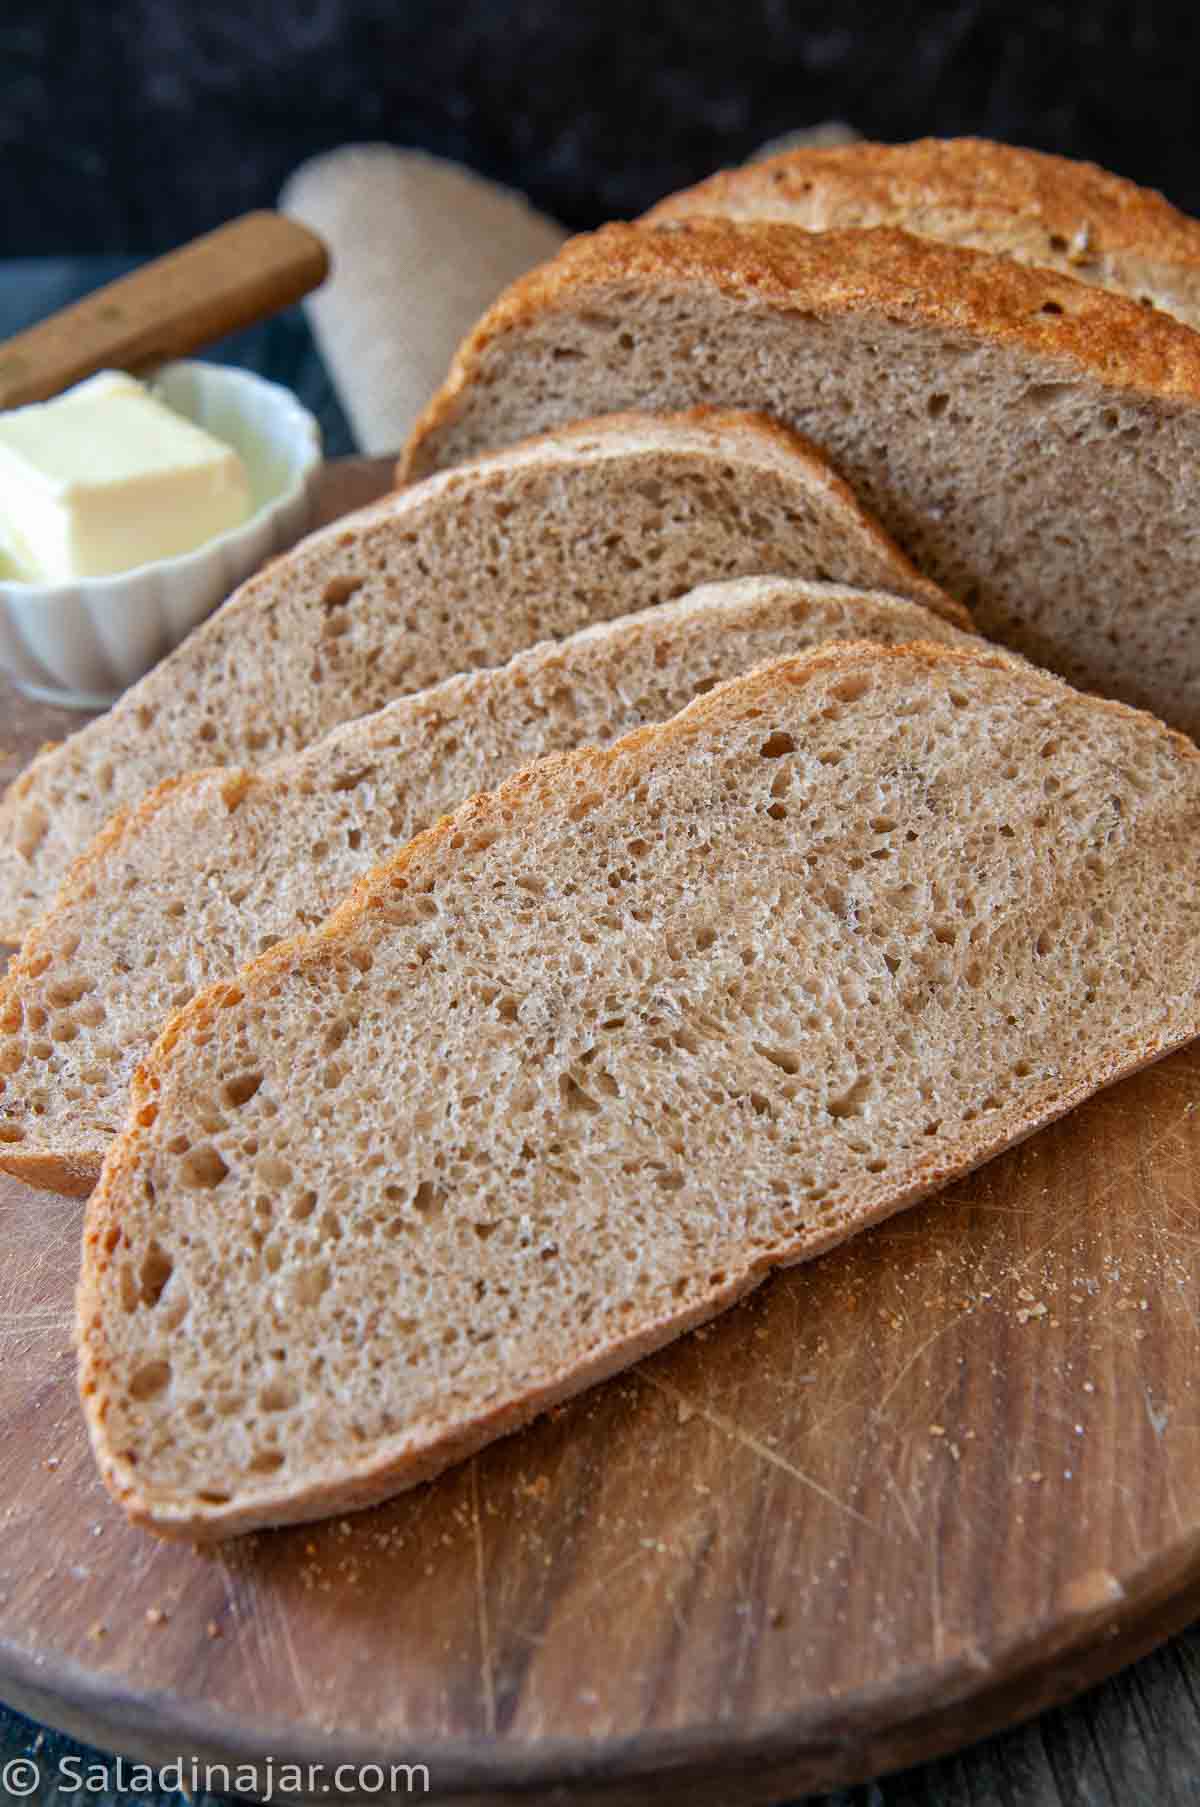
[1057, 213]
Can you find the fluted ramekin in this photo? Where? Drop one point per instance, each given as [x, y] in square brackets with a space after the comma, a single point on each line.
[83, 643]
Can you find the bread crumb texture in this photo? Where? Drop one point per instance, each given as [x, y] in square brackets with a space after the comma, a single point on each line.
[587, 524]
[587, 1059]
[213, 869]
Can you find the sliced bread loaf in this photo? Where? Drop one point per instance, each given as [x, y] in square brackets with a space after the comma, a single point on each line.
[582, 526]
[1051, 211]
[211, 869]
[586, 1060]
[1033, 443]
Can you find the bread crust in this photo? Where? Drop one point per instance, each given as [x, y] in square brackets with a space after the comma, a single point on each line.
[975, 177]
[412, 1457]
[1091, 333]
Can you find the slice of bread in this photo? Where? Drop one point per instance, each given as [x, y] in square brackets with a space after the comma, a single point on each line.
[1050, 211]
[211, 869]
[1033, 443]
[582, 526]
[587, 1059]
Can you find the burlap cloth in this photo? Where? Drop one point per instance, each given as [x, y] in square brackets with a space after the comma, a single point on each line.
[419, 247]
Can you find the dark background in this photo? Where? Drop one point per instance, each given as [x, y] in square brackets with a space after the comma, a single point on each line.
[130, 125]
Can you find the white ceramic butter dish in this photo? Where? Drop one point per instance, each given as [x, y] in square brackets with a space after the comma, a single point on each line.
[83, 642]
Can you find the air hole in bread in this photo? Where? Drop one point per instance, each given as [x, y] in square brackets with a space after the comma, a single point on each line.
[349, 781]
[427, 1199]
[267, 1461]
[309, 1285]
[575, 1098]
[241, 1089]
[1040, 395]
[339, 590]
[850, 1102]
[68, 991]
[203, 1168]
[151, 1378]
[277, 1396]
[156, 1269]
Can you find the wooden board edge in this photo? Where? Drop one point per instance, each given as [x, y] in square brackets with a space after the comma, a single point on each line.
[854, 1740]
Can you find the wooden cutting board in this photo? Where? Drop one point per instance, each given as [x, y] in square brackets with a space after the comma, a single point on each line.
[933, 1482]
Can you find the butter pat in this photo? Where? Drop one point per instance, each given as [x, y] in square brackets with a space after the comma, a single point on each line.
[106, 478]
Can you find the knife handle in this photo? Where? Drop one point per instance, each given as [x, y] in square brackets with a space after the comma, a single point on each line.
[230, 278]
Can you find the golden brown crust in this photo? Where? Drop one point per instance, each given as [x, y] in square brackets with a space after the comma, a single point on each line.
[419, 1456]
[974, 176]
[1101, 337]
[66, 1174]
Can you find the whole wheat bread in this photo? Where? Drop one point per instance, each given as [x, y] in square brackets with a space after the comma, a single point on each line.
[1050, 211]
[582, 526]
[211, 869]
[587, 1059]
[1033, 443]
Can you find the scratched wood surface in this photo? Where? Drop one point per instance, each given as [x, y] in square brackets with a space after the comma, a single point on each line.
[930, 1484]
